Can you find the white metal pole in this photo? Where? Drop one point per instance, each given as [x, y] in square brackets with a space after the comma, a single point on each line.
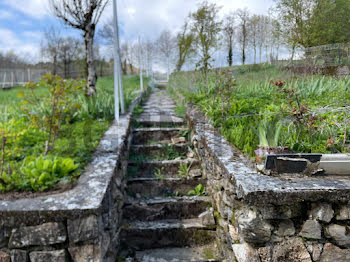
[116, 62]
[120, 75]
[140, 66]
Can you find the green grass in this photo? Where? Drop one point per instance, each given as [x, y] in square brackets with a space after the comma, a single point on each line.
[244, 99]
[77, 139]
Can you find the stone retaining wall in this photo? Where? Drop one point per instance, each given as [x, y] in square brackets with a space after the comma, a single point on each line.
[81, 224]
[271, 219]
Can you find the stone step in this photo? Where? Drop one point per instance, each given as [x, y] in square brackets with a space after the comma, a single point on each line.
[166, 233]
[159, 150]
[153, 187]
[160, 120]
[149, 135]
[196, 254]
[165, 208]
[161, 169]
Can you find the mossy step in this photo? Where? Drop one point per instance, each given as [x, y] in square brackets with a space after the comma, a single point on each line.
[165, 208]
[155, 134]
[198, 254]
[166, 233]
[153, 187]
[161, 169]
[159, 150]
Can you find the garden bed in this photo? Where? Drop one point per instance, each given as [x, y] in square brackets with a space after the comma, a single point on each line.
[49, 133]
[262, 105]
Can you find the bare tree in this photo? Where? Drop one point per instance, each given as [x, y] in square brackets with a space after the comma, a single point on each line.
[253, 26]
[243, 18]
[229, 33]
[166, 45]
[149, 54]
[82, 15]
[126, 56]
[50, 46]
[68, 52]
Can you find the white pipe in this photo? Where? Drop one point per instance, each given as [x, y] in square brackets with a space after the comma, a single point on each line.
[120, 75]
[116, 62]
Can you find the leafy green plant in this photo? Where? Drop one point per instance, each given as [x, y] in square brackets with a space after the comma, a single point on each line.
[199, 190]
[180, 111]
[269, 133]
[184, 170]
[50, 111]
[159, 173]
[137, 111]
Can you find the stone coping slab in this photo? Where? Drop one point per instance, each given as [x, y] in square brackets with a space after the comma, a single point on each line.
[259, 189]
[88, 194]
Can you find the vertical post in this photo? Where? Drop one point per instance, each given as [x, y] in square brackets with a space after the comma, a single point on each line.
[29, 75]
[140, 55]
[116, 59]
[12, 79]
[120, 74]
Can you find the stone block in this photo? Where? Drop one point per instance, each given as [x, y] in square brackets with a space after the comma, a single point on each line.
[285, 228]
[315, 251]
[340, 234]
[87, 253]
[83, 229]
[292, 250]
[19, 255]
[332, 253]
[207, 217]
[311, 229]
[46, 256]
[344, 213]
[322, 212]
[245, 253]
[4, 257]
[42, 235]
[252, 228]
[280, 212]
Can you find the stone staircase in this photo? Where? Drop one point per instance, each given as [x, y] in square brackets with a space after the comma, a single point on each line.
[161, 221]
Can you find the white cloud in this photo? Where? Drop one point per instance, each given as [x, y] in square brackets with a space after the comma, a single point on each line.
[34, 8]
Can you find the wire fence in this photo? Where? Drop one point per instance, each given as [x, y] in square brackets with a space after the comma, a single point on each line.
[328, 59]
[15, 77]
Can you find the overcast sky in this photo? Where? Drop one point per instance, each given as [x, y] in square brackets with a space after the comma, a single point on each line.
[22, 21]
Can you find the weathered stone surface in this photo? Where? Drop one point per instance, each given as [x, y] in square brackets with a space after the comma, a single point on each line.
[286, 228]
[245, 253]
[207, 217]
[43, 235]
[340, 234]
[233, 234]
[279, 212]
[332, 253]
[4, 257]
[252, 228]
[311, 229]
[19, 255]
[83, 229]
[315, 251]
[265, 254]
[323, 212]
[87, 253]
[292, 250]
[46, 256]
[344, 213]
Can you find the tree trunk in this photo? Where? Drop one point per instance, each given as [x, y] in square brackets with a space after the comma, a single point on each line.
[89, 42]
[254, 54]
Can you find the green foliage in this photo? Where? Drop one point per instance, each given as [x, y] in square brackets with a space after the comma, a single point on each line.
[206, 28]
[184, 170]
[39, 174]
[307, 114]
[76, 124]
[159, 173]
[180, 111]
[199, 190]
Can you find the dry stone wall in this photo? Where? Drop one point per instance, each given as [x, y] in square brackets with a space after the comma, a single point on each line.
[79, 225]
[270, 219]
